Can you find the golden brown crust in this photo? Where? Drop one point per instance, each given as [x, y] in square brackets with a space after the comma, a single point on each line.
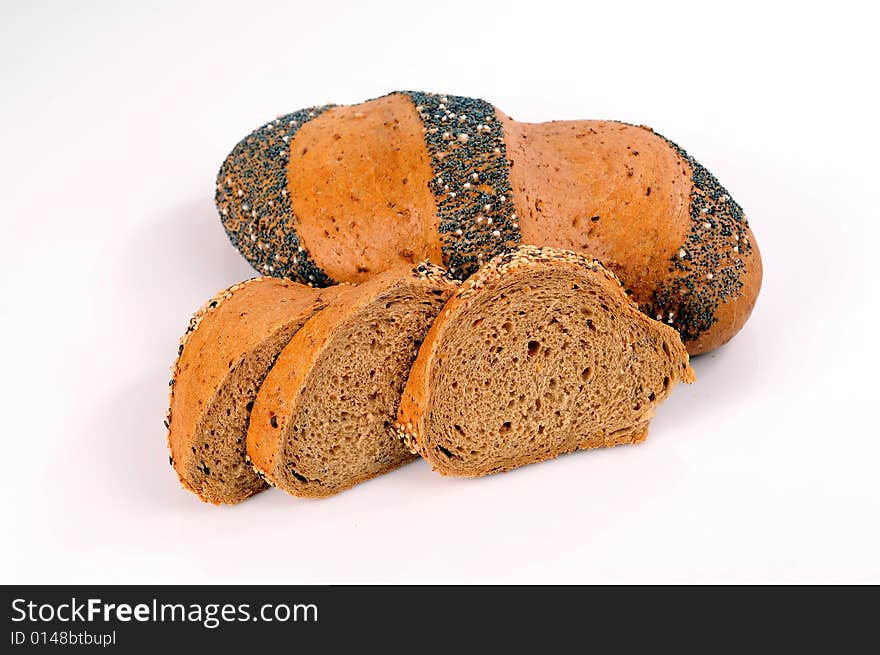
[220, 335]
[362, 206]
[597, 187]
[414, 402]
[288, 378]
[624, 194]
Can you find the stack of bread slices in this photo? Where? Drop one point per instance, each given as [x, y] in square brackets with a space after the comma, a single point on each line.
[539, 353]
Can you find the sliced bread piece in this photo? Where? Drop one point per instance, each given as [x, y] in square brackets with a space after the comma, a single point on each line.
[324, 417]
[539, 353]
[222, 359]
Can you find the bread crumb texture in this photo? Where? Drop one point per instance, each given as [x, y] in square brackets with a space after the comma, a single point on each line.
[539, 353]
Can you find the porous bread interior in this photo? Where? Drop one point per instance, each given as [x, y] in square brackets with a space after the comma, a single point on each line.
[341, 430]
[545, 362]
[216, 466]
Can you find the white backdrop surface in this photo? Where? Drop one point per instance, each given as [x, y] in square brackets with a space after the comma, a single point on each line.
[114, 120]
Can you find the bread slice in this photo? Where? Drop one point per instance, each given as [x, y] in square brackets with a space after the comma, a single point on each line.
[324, 417]
[222, 359]
[539, 353]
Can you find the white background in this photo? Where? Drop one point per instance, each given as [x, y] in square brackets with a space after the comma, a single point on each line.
[114, 119]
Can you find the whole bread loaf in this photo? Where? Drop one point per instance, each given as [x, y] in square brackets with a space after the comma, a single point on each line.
[324, 417]
[539, 353]
[332, 194]
[224, 355]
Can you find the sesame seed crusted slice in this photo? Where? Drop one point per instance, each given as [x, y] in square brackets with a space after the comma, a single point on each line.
[471, 184]
[194, 323]
[710, 265]
[254, 204]
[509, 261]
[539, 353]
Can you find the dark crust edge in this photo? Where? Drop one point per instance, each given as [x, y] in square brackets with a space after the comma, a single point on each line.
[471, 182]
[254, 204]
[709, 267]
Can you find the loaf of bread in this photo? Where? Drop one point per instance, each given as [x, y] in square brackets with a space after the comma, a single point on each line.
[222, 360]
[324, 418]
[342, 193]
[539, 353]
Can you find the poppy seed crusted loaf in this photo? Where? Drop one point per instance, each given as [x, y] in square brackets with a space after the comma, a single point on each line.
[539, 353]
[339, 194]
[222, 360]
[323, 419]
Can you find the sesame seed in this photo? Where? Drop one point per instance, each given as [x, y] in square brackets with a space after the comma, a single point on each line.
[463, 138]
